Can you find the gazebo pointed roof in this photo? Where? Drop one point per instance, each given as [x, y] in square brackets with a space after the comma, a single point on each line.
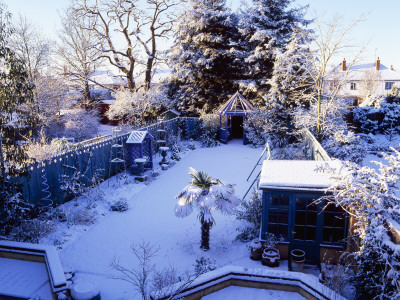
[237, 103]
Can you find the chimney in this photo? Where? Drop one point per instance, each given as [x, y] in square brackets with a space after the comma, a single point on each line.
[378, 64]
[344, 64]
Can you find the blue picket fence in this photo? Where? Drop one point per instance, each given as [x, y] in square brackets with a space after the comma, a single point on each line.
[93, 157]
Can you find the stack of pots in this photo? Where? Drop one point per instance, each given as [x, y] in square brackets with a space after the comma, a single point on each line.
[270, 257]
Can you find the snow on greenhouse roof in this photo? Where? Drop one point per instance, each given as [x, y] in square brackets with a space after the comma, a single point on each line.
[237, 103]
[137, 137]
[297, 174]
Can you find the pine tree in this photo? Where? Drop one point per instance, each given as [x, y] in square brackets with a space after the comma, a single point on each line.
[204, 58]
[266, 26]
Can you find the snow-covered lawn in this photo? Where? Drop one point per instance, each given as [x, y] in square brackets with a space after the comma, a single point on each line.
[89, 250]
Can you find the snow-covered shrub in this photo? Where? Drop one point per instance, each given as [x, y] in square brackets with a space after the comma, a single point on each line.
[254, 127]
[250, 211]
[209, 129]
[32, 230]
[271, 240]
[381, 117]
[80, 216]
[371, 196]
[204, 265]
[392, 116]
[191, 145]
[41, 150]
[293, 151]
[73, 185]
[13, 211]
[120, 205]
[164, 278]
[346, 146]
[175, 155]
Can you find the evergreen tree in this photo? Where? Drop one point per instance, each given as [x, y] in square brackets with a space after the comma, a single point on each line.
[290, 85]
[204, 58]
[15, 92]
[266, 26]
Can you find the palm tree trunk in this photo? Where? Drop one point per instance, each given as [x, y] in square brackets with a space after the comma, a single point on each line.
[205, 235]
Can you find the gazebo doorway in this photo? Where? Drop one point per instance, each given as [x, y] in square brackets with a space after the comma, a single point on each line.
[237, 127]
[232, 116]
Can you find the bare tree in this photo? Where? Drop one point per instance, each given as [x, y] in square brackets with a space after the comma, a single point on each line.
[77, 52]
[329, 41]
[139, 277]
[369, 82]
[120, 22]
[30, 46]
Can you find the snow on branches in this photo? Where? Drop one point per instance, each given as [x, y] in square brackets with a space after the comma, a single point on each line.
[371, 197]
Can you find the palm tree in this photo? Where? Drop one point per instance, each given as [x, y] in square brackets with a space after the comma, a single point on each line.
[207, 195]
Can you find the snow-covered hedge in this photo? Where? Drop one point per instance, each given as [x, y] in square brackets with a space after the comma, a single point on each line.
[346, 146]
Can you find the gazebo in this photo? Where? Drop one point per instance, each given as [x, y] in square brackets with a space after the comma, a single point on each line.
[231, 117]
[140, 145]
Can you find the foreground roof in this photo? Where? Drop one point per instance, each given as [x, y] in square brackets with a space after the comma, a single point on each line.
[297, 174]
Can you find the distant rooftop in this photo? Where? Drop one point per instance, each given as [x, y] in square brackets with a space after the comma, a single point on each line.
[357, 72]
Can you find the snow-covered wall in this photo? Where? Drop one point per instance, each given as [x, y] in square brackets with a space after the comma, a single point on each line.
[307, 285]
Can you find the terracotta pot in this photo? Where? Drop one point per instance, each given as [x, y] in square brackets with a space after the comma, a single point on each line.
[256, 250]
[270, 257]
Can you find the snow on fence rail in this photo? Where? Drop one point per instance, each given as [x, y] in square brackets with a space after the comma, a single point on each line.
[314, 149]
[89, 160]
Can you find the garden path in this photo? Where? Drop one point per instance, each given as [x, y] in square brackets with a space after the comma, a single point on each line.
[151, 218]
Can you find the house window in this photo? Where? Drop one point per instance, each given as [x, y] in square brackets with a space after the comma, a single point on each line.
[278, 214]
[388, 85]
[353, 86]
[334, 225]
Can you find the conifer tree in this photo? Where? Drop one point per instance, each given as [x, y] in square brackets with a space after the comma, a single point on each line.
[290, 85]
[204, 57]
[15, 91]
[265, 26]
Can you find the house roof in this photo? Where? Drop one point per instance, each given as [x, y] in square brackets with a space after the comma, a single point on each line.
[237, 103]
[297, 174]
[357, 72]
[106, 77]
[137, 137]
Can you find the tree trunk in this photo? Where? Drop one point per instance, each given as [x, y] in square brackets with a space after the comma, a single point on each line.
[205, 235]
[87, 94]
[319, 125]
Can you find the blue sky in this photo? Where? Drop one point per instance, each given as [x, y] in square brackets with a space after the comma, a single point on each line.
[380, 28]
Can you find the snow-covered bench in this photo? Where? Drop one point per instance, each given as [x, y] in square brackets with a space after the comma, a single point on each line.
[30, 270]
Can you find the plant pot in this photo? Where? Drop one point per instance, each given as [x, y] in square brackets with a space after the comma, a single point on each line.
[256, 249]
[298, 259]
[270, 257]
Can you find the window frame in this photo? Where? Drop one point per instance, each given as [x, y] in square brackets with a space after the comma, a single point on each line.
[387, 84]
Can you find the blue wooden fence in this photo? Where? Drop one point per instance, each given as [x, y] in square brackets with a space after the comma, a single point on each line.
[92, 157]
